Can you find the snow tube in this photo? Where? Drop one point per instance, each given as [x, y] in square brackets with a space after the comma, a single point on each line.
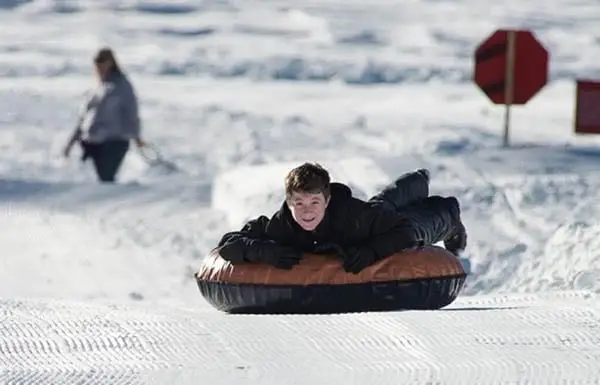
[425, 278]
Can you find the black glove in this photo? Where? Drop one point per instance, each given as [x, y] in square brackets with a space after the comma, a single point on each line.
[276, 255]
[357, 259]
[330, 248]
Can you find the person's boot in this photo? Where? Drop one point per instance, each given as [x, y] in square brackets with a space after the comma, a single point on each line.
[437, 219]
[409, 188]
[424, 174]
[456, 241]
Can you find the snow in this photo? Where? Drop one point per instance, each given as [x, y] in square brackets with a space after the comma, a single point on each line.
[96, 281]
[543, 337]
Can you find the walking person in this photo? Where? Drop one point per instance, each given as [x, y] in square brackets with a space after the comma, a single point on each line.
[109, 119]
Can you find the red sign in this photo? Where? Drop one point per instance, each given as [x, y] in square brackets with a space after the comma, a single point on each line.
[587, 107]
[513, 59]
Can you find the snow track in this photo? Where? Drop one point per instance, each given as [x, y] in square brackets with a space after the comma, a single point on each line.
[517, 339]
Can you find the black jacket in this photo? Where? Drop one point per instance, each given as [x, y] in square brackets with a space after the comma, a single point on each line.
[355, 226]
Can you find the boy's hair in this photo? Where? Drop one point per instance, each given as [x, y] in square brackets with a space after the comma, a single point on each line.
[309, 177]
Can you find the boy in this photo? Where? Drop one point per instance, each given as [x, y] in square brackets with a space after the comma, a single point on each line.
[318, 216]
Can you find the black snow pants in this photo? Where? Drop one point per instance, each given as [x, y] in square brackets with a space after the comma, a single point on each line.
[434, 218]
[107, 157]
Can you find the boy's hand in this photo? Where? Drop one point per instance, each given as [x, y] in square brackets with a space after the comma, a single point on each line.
[356, 260]
[330, 248]
[279, 256]
[287, 258]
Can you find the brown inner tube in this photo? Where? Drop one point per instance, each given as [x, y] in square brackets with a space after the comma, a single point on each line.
[422, 263]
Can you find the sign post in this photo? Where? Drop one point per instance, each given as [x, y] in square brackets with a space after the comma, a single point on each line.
[510, 83]
[511, 66]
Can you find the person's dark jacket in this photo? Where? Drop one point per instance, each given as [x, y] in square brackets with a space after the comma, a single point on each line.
[357, 231]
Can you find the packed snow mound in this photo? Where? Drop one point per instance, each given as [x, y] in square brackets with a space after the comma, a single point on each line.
[246, 192]
[572, 258]
[62, 253]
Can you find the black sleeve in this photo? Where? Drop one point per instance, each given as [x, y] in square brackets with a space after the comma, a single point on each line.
[382, 232]
[245, 245]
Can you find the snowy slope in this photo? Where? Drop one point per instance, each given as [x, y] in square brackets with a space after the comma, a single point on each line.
[527, 339]
[234, 94]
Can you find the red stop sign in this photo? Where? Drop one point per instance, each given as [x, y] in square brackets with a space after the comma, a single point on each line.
[530, 66]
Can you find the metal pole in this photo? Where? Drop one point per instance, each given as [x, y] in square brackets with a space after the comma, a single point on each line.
[511, 40]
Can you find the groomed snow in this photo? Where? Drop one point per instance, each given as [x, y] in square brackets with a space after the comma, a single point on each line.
[519, 339]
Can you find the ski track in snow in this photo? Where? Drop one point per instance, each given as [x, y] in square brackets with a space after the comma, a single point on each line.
[484, 338]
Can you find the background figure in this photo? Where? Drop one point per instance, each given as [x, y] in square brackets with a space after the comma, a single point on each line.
[109, 119]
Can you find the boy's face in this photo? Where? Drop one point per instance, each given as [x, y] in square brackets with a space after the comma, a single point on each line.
[308, 209]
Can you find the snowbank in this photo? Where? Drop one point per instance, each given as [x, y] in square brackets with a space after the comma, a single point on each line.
[246, 192]
[49, 253]
[572, 258]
